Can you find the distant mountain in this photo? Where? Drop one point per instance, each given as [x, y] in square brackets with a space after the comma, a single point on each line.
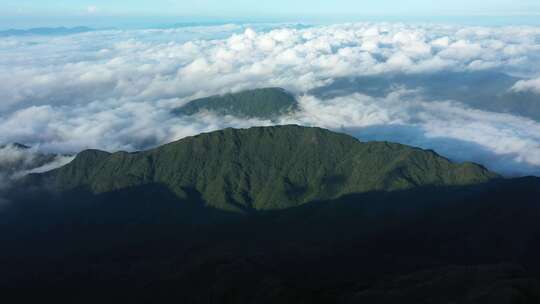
[266, 168]
[17, 157]
[484, 90]
[197, 24]
[267, 103]
[16, 146]
[45, 31]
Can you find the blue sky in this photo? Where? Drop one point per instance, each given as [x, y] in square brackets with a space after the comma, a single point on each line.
[19, 13]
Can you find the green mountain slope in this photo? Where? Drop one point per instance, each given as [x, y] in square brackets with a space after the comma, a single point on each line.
[265, 168]
[266, 103]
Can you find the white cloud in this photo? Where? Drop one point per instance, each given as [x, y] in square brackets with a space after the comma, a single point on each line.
[92, 9]
[502, 142]
[114, 90]
[133, 65]
[532, 85]
[17, 162]
[57, 162]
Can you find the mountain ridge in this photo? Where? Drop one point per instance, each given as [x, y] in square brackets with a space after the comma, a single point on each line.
[266, 168]
[47, 31]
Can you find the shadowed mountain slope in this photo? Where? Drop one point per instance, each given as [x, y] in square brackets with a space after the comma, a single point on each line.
[463, 244]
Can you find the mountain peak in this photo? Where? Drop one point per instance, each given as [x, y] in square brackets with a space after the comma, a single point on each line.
[16, 145]
[264, 103]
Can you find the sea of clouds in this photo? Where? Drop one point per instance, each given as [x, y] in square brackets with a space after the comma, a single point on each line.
[115, 89]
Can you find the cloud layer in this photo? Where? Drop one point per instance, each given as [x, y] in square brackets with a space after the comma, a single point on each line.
[114, 90]
[503, 142]
[531, 85]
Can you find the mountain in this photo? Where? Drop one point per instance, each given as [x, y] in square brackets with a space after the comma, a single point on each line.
[48, 31]
[283, 214]
[266, 103]
[17, 146]
[484, 90]
[266, 168]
